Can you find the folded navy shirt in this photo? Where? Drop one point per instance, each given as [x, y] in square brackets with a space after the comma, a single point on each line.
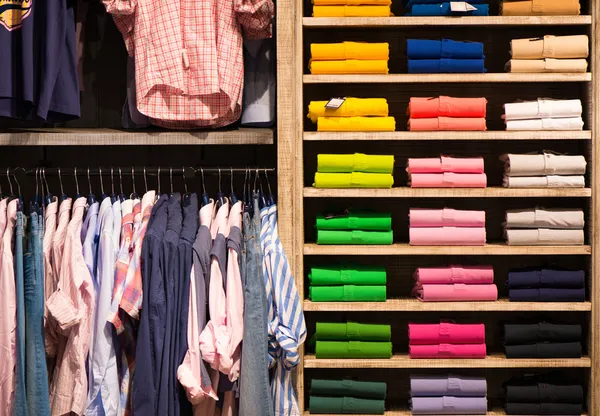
[445, 66]
[546, 295]
[555, 278]
[543, 409]
[544, 393]
[515, 334]
[545, 350]
[445, 48]
[443, 9]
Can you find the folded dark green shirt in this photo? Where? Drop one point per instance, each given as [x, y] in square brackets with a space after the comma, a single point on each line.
[347, 275]
[352, 331]
[348, 388]
[345, 406]
[348, 293]
[353, 349]
[355, 237]
[366, 221]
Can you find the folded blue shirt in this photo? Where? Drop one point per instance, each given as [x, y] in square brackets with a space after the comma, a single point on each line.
[445, 66]
[443, 9]
[445, 48]
[546, 295]
[554, 278]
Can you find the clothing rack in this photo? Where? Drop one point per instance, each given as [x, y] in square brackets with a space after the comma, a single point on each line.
[187, 171]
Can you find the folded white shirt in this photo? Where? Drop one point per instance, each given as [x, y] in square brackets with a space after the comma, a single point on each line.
[543, 164]
[545, 218]
[557, 124]
[544, 237]
[551, 181]
[542, 108]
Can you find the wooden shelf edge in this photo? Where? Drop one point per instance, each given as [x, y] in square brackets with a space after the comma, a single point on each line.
[407, 192]
[449, 135]
[103, 137]
[404, 361]
[414, 305]
[444, 78]
[406, 249]
[445, 21]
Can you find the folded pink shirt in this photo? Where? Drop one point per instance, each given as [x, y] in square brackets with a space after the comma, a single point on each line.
[455, 292]
[447, 351]
[447, 124]
[447, 236]
[446, 217]
[427, 107]
[446, 333]
[448, 180]
[455, 274]
[445, 164]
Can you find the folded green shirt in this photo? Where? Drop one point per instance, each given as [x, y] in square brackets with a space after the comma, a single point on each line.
[365, 221]
[347, 275]
[347, 293]
[349, 388]
[358, 162]
[352, 331]
[353, 180]
[353, 349]
[355, 237]
[320, 405]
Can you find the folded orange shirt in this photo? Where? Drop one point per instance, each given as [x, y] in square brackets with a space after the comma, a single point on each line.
[349, 50]
[540, 8]
[352, 11]
[350, 66]
[447, 124]
[352, 2]
[425, 107]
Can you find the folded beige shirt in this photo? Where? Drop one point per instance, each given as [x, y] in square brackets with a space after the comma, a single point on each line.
[561, 47]
[540, 8]
[547, 65]
[551, 124]
[543, 164]
[551, 181]
[545, 218]
[544, 237]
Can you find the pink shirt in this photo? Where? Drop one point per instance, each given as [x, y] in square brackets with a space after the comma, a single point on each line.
[446, 332]
[49, 278]
[445, 164]
[448, 180]
[8, 310]
[446, 217]
[447, 351]
[455, 274]
[447, 236]
[455, 292]
[72, 306]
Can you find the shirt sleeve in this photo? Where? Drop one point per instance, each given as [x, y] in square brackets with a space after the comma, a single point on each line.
[63, 310]
[123, 12]
[256, 17]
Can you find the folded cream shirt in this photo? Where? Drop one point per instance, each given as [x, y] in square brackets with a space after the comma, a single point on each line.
[542, 108]
[547, 65]
[544, 237]
[552, 181]
[543, 164]
[562, 47]
[545, 218]
[556, 124]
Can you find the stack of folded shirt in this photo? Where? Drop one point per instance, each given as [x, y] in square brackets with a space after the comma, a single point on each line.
[549, 394]
[349, 58]
[540, 8]
[347, 397]
[544, 114]
[441, 8]
[353, 340]
[446, 340]
[353, 114]
[446, 227]
[347, 283]
[444, 56]
[352, 8]
[446, 172]
[448, 395]
[356, 227]
[544, 227]
[354, 171]
[446, 114]
[549, 54]
[455, 283]
[542, 340]
[546, 170]
[546, 285]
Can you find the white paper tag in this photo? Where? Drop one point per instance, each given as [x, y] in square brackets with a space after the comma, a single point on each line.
[335, 102]
[461, 6]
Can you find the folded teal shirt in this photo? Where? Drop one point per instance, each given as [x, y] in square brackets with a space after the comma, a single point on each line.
[320, 405]
[366, 221]
[355, 237]
[352, 331]
[348, 388]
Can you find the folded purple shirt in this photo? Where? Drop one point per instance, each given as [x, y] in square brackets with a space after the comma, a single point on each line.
[423, 386]
[449, 405]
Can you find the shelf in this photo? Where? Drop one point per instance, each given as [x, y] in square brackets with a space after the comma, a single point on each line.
[450, 135]
[445, 21]
[414, 305]
[408, 250]
[443, 78]
[104, 137]
[405, 192]
[404, 361]
[406, 412]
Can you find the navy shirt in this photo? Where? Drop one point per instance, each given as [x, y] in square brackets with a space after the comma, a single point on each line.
[38, 72]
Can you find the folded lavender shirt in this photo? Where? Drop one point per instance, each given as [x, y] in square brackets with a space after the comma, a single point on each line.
[449, 405]
[434, 386]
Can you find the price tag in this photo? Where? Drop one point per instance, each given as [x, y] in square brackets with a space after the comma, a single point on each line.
[461, 6]
[335, 103]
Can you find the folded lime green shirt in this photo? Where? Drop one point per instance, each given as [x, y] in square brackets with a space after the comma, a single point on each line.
[353, 349]
[353, 180]
[320, 405]
[348, 388]
[347, 275]
[352, 331]
[359, 220]
[357, 162]
[356, 124]
[355, 237]
[351, 107]
[347, 293]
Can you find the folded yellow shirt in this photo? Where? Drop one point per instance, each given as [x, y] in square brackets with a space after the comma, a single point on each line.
[349, 50]
[352, 107]
[353, 180]
[352, 11]
[547, 65]
[350, 66]
[358, 162]
[356, 124]
[540, 8]
[352, 2]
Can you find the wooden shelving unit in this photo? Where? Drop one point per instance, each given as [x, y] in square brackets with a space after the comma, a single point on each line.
[442, 78]
[405, 192]
[337, 22]
[446, 135]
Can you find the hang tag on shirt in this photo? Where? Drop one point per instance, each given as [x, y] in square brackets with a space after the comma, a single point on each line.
[335, 103]
[461, 6]
[342, 214]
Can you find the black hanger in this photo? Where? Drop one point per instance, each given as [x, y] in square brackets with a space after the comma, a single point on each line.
[134, 194]
[220, 195]
[63, 196]
[232, 194]
[77, 195]
[113, 196]
[270, 199]
[205, 197]
[18, 196]
[171, 180]
[245, 200]
[49, 196]
[91, 199]
[158, 182]
[34, 206]
[122, 196]
[103, 194]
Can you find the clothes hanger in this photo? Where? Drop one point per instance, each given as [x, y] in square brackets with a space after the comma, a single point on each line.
[113, 196]
[34, 205]
[270, 199]
[91, 199]
[171, 180]
[145, 181]
[134, 194]
[49, 196]
[122, 196]
[77, 195]
[104, 196]
[158, 182]
[186, 195]
[205, 197]
[232, 195]
[244, 193]
[18, 197]
[220, 195]
[63, 196]
[261, 195]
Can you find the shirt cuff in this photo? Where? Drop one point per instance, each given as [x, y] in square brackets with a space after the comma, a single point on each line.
[63, 310]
